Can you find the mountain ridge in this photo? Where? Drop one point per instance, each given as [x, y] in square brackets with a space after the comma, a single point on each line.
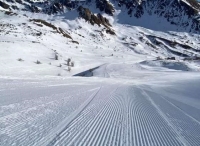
[176, 12]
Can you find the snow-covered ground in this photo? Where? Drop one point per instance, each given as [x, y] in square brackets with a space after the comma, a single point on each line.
[142, 89]
[150, 109]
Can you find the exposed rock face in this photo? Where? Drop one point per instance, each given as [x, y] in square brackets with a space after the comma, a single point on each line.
[176, 12]
[182, 13]
[98, 19]
[4, 5]
[105, 6]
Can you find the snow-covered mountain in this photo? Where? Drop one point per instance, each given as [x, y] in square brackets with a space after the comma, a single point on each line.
[182, 13]
[92, 33]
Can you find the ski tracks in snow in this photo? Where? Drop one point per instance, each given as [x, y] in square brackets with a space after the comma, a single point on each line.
[110, 115]
[34, 113]
[186, 127]
[126, 116]
[62, 126]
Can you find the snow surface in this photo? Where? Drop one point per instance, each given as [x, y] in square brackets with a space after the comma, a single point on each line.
[134, 95]
[150, 109]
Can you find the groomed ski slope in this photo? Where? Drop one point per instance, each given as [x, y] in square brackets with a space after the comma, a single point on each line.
[135, 93]
[161, 111]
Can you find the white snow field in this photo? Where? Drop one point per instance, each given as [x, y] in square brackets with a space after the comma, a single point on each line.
[140, 87]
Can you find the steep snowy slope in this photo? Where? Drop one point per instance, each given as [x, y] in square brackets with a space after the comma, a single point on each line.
[183, 14]
[41, 44]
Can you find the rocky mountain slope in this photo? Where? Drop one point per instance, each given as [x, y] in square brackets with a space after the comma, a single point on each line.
[182, 13]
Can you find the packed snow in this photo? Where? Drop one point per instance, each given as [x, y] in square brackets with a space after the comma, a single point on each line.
[150, 108]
